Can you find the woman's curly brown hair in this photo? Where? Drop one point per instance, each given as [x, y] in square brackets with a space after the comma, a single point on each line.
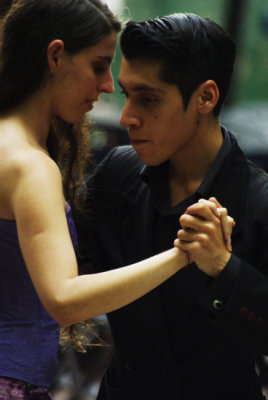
[69, 146]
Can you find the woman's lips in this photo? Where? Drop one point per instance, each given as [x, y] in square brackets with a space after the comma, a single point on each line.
[90, 105]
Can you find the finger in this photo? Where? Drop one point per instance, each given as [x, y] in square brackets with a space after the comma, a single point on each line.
[229, 245]
[232, 221]
[186, 235]
[177, 244]
[185, 246]
[194, 239]
[182, 245]
[203, 209]
[215, 201]
[227, 223]
[190, 235]
[196, 229]
[197, 208]
[211, 204]
[219, 207]
[226, 228]
[192, 222]
[228, 242]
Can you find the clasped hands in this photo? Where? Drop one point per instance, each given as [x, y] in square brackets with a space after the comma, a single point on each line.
[206, 235]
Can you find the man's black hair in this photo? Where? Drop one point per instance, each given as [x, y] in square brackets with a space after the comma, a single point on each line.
[189, 48]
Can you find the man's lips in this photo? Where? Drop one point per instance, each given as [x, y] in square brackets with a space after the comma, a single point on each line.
[136, 142]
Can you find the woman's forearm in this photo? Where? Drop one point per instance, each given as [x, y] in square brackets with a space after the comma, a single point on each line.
[85, 296]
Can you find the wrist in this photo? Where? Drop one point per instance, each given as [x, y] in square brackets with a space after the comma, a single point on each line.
[183, 257]
[222, 264]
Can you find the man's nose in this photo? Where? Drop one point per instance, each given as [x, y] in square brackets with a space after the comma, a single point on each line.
[129, 117]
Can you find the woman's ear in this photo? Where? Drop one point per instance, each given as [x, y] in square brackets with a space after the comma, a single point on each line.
[208, 96]
[54, 51]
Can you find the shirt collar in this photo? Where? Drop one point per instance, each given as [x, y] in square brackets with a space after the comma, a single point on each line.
[225, 149]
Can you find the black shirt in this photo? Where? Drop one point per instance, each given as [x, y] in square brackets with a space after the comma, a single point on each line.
[166, 220]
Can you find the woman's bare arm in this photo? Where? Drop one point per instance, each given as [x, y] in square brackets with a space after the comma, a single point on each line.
[38, 205]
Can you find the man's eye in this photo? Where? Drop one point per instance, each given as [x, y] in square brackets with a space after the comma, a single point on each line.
[148, 99]
[99, 69]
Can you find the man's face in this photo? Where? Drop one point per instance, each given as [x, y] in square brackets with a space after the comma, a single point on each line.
[158, 126]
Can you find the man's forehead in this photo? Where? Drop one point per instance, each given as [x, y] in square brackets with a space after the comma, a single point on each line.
[137, 64]
[140, 75]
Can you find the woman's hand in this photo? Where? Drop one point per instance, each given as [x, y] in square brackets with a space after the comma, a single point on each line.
[227, 222]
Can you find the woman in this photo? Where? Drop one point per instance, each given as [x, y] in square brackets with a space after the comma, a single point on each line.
[55, 62]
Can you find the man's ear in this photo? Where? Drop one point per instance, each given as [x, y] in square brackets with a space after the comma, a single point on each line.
[208, 96]
[54, 51]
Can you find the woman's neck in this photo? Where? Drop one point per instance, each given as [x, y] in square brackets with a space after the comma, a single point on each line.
[32, 118]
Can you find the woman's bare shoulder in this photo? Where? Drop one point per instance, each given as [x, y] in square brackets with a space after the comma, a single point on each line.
[25, 172]
[23, 161]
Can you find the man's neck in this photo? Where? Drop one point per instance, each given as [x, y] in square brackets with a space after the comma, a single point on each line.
[188, 169]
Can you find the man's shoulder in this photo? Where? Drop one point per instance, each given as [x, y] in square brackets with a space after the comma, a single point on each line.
[122, 163]
[258, 177]
[124, 154]
[257, 193]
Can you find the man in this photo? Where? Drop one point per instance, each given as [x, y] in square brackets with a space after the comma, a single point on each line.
[197, 335]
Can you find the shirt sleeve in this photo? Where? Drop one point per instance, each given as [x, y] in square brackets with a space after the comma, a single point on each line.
[216, 297]
[237, 301]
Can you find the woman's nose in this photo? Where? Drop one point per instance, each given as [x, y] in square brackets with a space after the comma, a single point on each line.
[107, 86]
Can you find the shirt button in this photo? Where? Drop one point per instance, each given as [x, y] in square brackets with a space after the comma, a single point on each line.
[259, 322]
[217, 305]
[243, 311]
[251, 317]
[129, 365]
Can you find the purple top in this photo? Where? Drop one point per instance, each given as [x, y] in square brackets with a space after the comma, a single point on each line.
[28, 335]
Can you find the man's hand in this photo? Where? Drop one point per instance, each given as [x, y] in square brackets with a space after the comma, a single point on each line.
[205, 235]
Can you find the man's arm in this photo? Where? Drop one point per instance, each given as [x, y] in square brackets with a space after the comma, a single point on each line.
[237, 298]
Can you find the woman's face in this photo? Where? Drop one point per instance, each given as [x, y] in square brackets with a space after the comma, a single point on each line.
[81, 78]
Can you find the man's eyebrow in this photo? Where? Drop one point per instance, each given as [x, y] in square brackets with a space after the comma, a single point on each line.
[142, 87]
[106, 58]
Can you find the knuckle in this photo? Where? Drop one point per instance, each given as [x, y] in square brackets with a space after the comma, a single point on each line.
[202, 207]
[184, 219]
[181, 220]
[225, 211]
[230, 220]
[202, 239]
[180, 234]
[211, 228]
